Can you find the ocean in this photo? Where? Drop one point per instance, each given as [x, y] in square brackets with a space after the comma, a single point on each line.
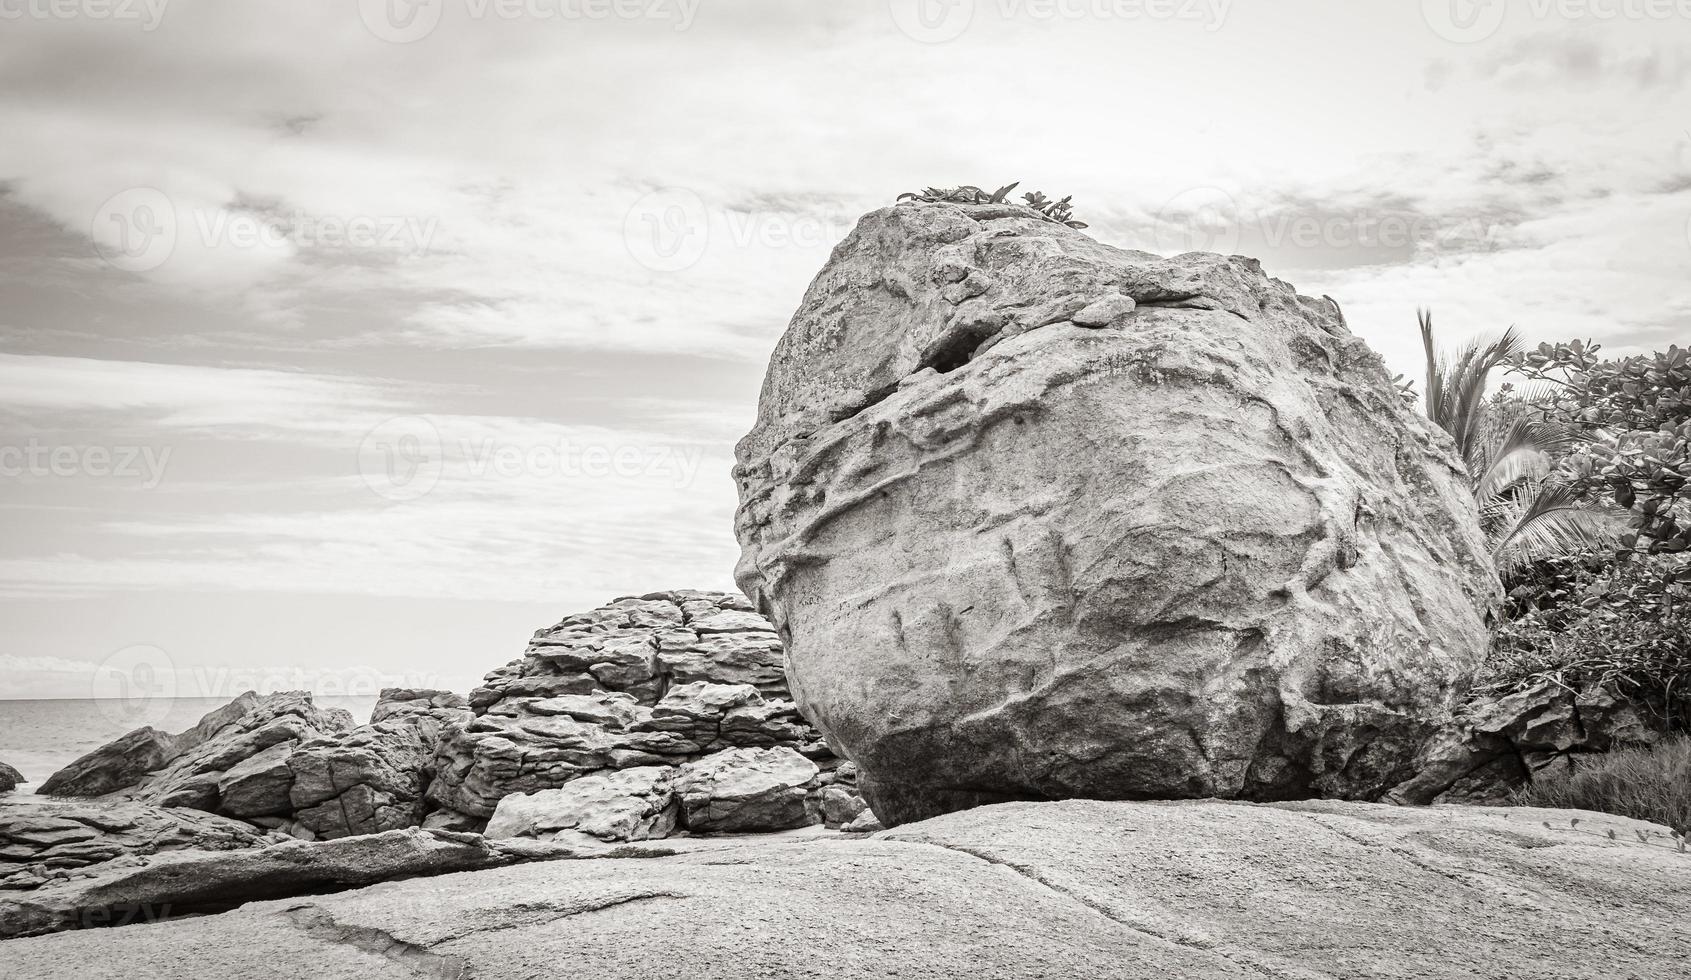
[38, 738]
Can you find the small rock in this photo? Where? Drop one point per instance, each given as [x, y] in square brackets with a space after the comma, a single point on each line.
[866, 823]
[1103, 312]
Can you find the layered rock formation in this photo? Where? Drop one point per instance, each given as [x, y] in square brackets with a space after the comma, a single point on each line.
[192, 881]
[45, 841]
[1497, 746]
[281, 762]
[1038, 517]
[1186, 891]
[126, 762]
[663, 682]
[189, 769]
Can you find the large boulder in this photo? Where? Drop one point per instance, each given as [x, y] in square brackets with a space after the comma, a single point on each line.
[1038, 517]
[1114, 891]
[10, 778]
[651, 682]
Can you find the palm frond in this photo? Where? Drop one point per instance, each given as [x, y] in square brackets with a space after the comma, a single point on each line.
[1546, 520]
[1509, 454]
[1517, 448]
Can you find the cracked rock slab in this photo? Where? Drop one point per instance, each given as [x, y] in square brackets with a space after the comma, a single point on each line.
[1108, 891]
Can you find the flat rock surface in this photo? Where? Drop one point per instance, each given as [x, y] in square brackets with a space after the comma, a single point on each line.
[1071, 889]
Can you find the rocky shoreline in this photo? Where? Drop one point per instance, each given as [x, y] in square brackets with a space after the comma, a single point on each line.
[647, 718]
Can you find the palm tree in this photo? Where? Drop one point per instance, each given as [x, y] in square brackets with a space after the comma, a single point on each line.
[1526, 513]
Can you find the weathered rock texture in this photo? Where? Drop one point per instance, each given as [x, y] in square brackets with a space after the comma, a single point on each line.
[125, 762]
[45, 841]
[663, 682]
[1497, 746]
[732, 791]
[281, 762]
[194, 882]
[1176, 891]
[10, 778]
[1025, 538]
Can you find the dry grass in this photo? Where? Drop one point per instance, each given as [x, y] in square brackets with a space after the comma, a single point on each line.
[1651, 784]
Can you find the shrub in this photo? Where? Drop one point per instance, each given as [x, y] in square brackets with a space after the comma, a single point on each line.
[1586, 621]
[1060, 212]
[1640, 407]
[1644, 783]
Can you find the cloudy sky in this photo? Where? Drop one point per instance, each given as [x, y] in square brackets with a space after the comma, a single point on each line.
[347, 343]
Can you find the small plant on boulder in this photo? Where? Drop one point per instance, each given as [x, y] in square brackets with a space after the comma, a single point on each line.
[1060, 212]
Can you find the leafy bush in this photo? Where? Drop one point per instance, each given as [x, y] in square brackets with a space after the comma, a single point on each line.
[1586, 620]
[1640, 411]
[1060, 212]
[1651, 784]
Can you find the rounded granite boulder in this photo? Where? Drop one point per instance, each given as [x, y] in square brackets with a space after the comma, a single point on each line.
[1037, 517]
